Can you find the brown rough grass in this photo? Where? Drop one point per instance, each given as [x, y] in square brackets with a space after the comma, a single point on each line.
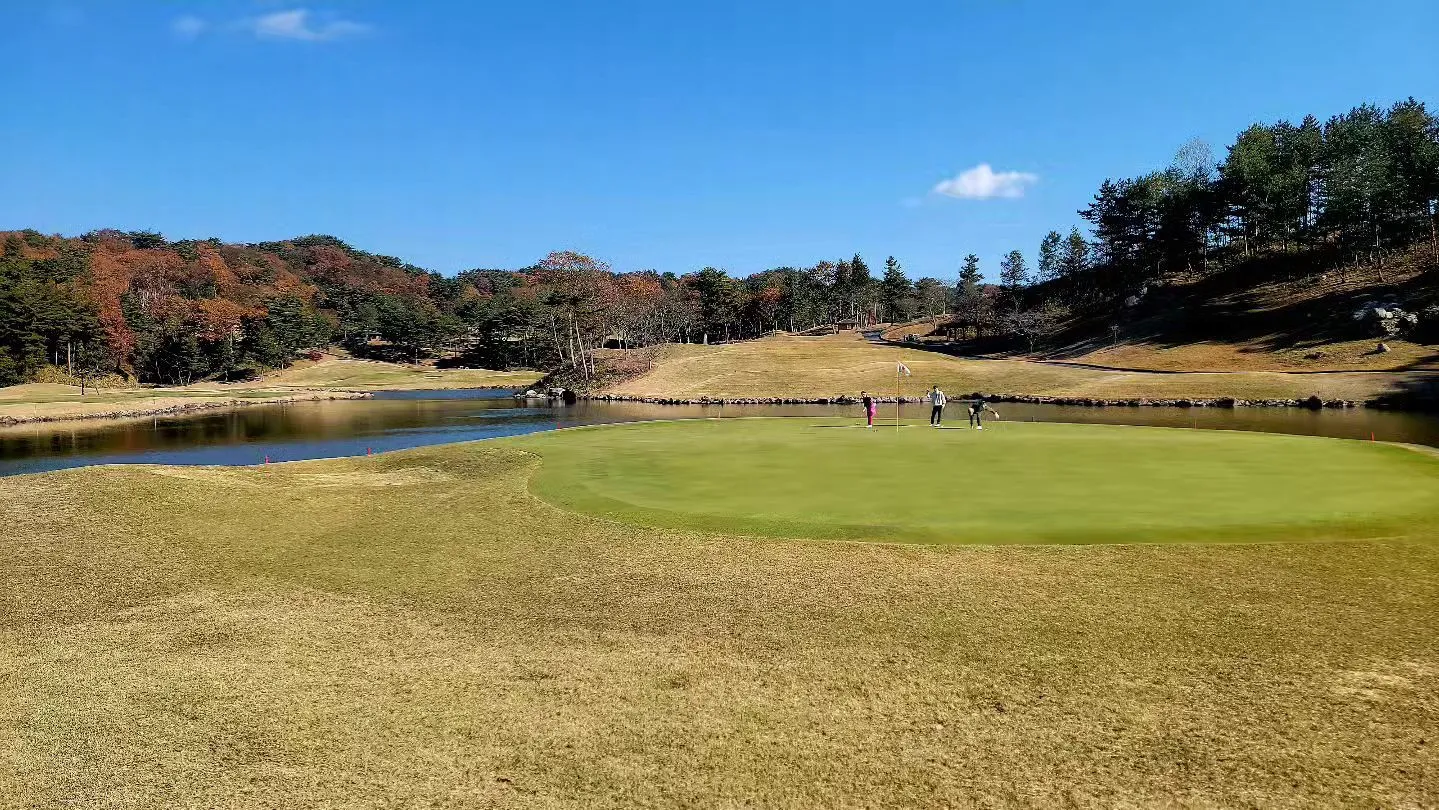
[791, 366]
[417, 630]
[374, 375]
[1254, 356]
[327, 379]
[47, 402]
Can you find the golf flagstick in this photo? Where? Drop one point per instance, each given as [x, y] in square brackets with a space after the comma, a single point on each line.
[898, 368]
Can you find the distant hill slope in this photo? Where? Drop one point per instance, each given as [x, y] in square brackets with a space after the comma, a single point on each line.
[179, 312]
[812, 367]
[1266, 315]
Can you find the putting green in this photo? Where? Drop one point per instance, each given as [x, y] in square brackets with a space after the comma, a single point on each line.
[1015, 482]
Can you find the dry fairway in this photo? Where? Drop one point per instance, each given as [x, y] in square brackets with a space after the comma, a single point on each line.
[374, 375]
[1256, 356]
[788, 366]
[326, 379]
[48, 402]
[417, 630]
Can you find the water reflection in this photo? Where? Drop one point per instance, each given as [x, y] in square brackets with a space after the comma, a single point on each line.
[398, 420]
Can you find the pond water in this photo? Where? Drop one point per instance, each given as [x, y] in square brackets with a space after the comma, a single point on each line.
[396, 420]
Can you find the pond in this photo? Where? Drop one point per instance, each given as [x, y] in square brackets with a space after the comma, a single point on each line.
[396, 420]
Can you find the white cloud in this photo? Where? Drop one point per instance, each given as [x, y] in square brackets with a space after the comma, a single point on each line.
[984, 183]
[298, 24]
[188, 26]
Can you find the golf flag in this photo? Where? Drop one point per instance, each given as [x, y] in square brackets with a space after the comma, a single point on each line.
[900, 368]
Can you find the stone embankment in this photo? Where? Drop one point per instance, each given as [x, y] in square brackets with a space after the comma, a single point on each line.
[1312, 403]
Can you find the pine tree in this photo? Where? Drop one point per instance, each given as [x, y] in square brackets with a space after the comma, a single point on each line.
[1013, 275]
[1050, 257]
[970, 276]
[1414, 144]
[895, 291]
[969, 301]
[1074, 258]
[861, 288]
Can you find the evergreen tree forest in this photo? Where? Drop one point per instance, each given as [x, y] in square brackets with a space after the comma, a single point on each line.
[1358, 189]
[1361, 187]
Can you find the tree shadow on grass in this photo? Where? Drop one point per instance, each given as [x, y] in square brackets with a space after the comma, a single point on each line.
[1418, 393]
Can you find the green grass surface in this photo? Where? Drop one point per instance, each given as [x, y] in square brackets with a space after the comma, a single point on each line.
[1014, 482]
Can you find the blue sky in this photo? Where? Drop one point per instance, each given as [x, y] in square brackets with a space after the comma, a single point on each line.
[669, 135]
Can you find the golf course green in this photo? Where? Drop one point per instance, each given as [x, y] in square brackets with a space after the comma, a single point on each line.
[1012, 483]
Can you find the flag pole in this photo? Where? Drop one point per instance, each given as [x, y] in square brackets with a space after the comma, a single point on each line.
[896, 398]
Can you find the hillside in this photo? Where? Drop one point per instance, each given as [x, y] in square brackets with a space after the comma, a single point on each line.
[812, 367]
[1259, 317]
[1268, 316]
[180, 312]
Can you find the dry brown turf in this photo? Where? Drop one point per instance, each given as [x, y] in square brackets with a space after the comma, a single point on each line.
[327, 379]
[789, 366]
[416, 630]
[374, 375]
[49, 402]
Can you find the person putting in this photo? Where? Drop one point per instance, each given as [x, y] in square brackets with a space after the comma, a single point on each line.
[977, 410]
[869, 407]
[936, 406]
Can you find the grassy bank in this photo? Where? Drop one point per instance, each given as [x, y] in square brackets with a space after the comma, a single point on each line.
[374, 375]
[47, 402]
[418, 629]
[331, 378]
[1356, 355]
[824, 366]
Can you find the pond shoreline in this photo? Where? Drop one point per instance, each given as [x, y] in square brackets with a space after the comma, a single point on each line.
[214, 434]
[1309, 403]
[176, 409]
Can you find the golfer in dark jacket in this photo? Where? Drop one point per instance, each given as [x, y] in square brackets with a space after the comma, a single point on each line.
[976, 413]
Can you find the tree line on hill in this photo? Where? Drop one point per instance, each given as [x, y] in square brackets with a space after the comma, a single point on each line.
[179, 312]
[1358, 187]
